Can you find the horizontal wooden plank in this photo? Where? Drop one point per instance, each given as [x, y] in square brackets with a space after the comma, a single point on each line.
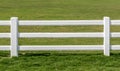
[115, 34]
[65, 22]
[4, 35]
[67, 47]
[4, 47]
[115, 47]
[60, 22]
[4, 22]
[62, 47]
[60, 35]
[115, 22]
[68, 35]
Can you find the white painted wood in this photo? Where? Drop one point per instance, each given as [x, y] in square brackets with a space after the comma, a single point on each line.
[61, 35]
[4, 47]
[115, 22]
[62, 47]
[67, 47]
[106, 36]
[4, 35]
[4, 23]
[115, 35]
[115, 47]
[65, 22]
[14, 36]
[55, 35]
[60, 22]
[58, 35]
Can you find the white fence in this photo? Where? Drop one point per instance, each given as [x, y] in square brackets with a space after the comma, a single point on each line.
[14, 35]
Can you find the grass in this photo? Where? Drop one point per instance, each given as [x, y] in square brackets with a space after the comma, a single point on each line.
[60, 10]
[63, 9]
[60, 61]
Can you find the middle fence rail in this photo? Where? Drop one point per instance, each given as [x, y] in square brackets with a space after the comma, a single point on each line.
[14, 35]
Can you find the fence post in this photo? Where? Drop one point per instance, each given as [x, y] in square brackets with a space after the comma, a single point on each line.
[14, 37]
[106, 36]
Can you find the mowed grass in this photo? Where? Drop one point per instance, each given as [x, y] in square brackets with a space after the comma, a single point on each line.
[60, 61]
[60, 10]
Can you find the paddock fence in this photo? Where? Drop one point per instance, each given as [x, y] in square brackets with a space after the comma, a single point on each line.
[14, 35]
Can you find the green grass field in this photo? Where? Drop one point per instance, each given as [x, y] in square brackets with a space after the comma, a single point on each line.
[60, 61]
[60, 10]
[63, 9]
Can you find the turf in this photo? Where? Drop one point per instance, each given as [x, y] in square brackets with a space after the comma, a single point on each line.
[60, 61]
[60, 10]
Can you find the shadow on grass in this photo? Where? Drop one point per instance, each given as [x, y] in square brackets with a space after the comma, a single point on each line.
[4, 54]
[59, 53]
[115, 54]
[62, 53]
[34, 54]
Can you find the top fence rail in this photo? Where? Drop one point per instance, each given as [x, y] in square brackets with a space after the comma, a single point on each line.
[58, 22]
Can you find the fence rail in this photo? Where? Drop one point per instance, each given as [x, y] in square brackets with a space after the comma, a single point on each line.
[61, 35]
[14, 34]
[58, 22]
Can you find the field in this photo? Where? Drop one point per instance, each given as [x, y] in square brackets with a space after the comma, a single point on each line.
[63, 9]
[60, 10]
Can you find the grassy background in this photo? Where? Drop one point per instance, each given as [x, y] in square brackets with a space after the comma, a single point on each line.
[60, 10]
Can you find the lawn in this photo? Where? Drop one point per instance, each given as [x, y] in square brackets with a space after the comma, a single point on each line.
[60, 10]
[60, 61]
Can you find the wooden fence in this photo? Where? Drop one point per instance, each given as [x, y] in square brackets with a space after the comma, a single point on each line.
[14, 35]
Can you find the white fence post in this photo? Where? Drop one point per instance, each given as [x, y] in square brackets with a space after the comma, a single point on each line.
[107, 36]
[14, 36]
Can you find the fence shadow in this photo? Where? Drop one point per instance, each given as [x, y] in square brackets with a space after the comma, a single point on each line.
[61, 53]
[4, 54]
[28, 54]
